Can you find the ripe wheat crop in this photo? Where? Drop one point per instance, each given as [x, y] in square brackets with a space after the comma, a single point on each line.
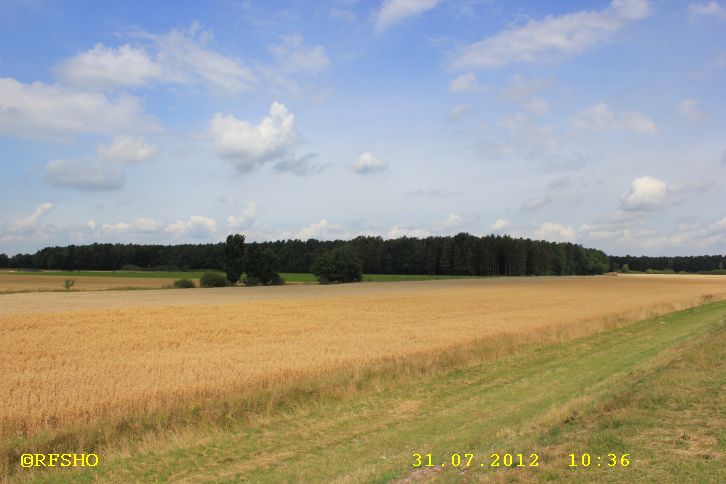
[66, 361]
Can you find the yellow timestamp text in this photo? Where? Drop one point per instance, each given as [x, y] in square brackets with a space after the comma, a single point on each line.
[495, 459]
[611, 460]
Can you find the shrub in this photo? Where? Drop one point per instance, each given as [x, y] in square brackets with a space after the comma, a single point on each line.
[184, 284]
[339, 265]
[213, 279]
[251, 281]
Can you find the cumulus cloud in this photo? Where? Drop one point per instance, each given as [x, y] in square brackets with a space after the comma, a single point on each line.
[600, 118]
[248, 146]
[107, 67]
[555, 232]
[32, 219]
[393, 12]
[453, 220]
[28, 227]
[246, 219]
[40, 110]
[688, 108]
[398, 231]
[367, 164]
[142, 225]
[706, 9]
[466, 83]
[553, 37]
[314, 230]
[178, 56]
[196, 226]
[294, 56]
[500, 224]
[645, 193]
[95, 176]
[127, 149]
[321, 230]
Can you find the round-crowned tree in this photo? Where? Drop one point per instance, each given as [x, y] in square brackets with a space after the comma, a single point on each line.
[341, 264]
[262, 263]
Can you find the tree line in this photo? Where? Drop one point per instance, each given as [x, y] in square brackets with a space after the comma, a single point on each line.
[693, 264]
[462, 254]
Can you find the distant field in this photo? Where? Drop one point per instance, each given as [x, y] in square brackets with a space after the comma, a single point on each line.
[19, 281]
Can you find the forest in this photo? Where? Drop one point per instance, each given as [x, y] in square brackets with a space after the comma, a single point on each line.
[462, 254]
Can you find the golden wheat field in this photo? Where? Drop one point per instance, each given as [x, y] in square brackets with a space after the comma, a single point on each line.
[71, 358]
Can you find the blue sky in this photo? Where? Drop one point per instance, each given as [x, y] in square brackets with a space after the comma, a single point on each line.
[601, 123]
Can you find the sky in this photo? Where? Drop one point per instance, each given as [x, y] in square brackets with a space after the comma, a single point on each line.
[594, 122]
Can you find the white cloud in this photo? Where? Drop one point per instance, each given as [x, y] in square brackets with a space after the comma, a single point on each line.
[248, 146]
[453, 220]
[524, 93]
[459, 111]
[688, 108]
[314, 230]
[555, 232]
[304, 166]
[645, 193]
[140, 225]
[552, 37]
[706, 9]
[107, 67]
[178, 56]
[639, 123]
[196, 226]
[32, 219]
[600, 118]
[294, 56]
[398, 231]
[95, 176]
[248, 217]
[321, 230]
[466, 83]
[500, 224]
[28, 227]
[393, 12]
[534, 204]
[367, 164]
[127, 149]
[515, 121]
[40, 110]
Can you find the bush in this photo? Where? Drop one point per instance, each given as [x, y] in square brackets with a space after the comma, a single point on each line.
[184, 284]
[213, 279]
[251, 281]
[339, 265]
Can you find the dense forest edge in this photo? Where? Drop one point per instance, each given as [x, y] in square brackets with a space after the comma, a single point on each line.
[462, 254]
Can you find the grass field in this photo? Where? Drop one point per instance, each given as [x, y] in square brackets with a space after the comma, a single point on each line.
[652, 390]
